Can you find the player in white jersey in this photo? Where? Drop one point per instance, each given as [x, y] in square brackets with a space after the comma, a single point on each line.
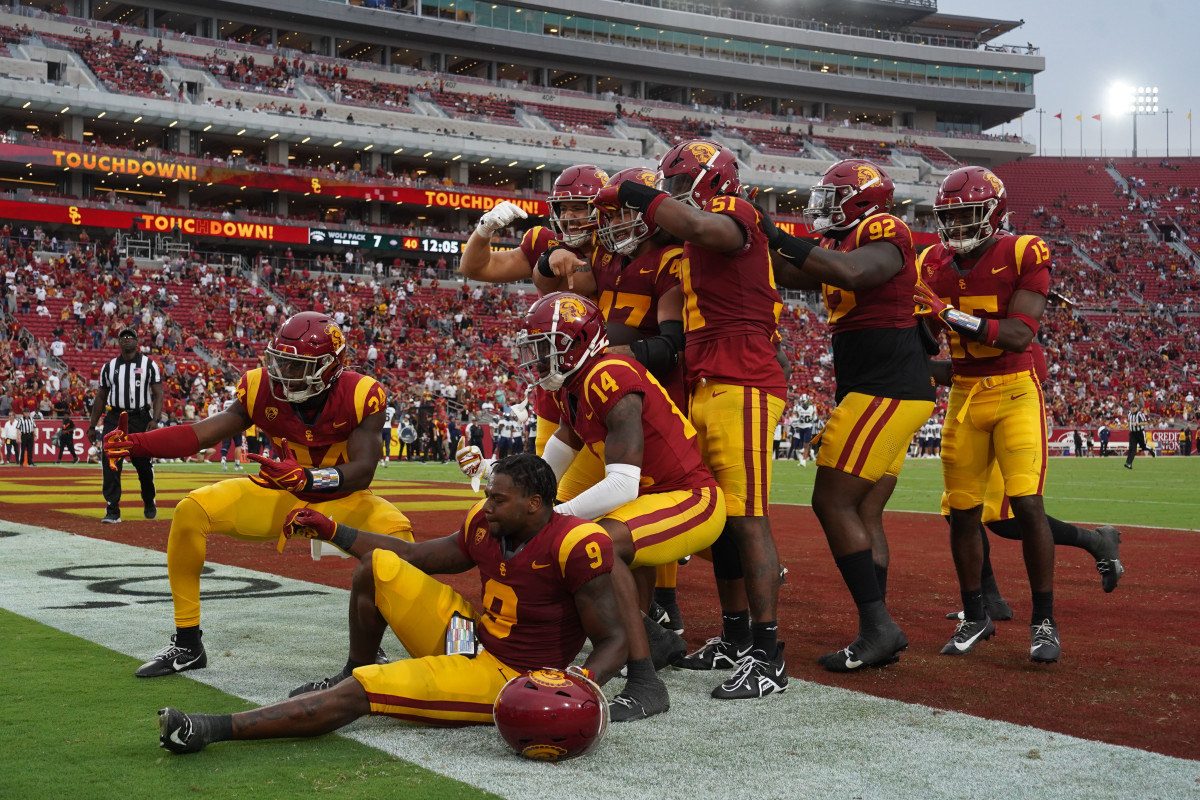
[389, 414]
[804, 417]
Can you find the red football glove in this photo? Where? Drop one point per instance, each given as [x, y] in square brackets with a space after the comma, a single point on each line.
[306, 523]
[116, 442]
[286, 474]
[606, 201]
[930, 305]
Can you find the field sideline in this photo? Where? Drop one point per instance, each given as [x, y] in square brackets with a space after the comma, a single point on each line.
[878, 735]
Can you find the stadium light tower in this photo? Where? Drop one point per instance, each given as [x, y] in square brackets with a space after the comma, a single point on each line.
[1143, 101]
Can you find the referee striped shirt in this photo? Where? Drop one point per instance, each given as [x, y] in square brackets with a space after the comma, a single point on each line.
[26, 425]
[129, 382]
[1137, 421]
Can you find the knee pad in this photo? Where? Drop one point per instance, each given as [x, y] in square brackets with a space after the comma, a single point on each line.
[727, 562]
[963, 500]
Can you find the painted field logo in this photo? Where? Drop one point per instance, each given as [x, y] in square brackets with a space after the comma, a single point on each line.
[140, 584]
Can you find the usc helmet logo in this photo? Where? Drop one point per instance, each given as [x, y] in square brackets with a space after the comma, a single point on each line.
[336, 335]
[550, 678]
[866, 174]
[995, 182]
[571, 310]
[647, 177]
[602, 176]
[703, 151]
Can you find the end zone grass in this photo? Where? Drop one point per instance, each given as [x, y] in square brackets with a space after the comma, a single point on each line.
[95, 734]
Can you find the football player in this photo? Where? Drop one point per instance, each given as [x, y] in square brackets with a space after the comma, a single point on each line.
[803, 418]
[546, 588]
[326, 422]
[865, 267]
[635, 278]
[1102, 544]
[988, 291]
[657, 501]
[737, 389]
[569, 239]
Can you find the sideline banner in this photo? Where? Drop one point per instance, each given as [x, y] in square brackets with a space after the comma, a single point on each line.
[1165, 441]
[69, 157]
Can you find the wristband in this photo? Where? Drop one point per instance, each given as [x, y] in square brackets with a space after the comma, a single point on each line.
[1028, 320]
[543, 262]
[343, 537]
[324, 480]
[792, 248]
[641, 197]
[964, 324]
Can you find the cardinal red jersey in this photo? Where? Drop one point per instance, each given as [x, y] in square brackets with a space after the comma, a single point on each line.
[321, 443]
[877, 348]
[984, 287]
[889, 305]
[731, 307]
[528, 615]
[670, 455]
[536, 241]
[629, 290]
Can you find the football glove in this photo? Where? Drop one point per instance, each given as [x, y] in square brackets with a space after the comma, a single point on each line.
[306, 523]
[116, 442]
[502, 215]
[962, 323]
[474, 465]
[286, 474]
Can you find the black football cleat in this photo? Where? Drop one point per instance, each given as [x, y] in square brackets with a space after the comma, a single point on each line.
[173, 658]
[968, 634]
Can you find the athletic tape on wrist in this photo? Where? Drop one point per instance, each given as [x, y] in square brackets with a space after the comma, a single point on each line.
[324, 480]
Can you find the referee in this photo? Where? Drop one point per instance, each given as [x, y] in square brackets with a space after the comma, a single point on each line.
[132, 383]
[1137, 435]
[28, 429]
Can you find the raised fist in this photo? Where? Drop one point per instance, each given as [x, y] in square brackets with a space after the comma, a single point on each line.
[502, 215]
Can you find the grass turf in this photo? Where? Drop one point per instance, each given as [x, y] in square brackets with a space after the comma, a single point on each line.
[1157, 493]
[89, 735]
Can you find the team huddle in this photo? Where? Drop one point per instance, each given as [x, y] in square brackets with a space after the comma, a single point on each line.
[658, 384]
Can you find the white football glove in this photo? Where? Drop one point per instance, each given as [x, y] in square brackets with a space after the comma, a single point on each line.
[501, 216]
[474, 465]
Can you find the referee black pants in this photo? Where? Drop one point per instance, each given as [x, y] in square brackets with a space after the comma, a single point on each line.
[26, 455]
[138, 420]
[1137, 444]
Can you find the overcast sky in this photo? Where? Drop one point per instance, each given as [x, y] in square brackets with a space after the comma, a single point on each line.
[1089, 45]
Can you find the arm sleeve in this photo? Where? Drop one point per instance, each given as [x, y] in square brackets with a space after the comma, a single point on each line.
[620, 486]
[559, 455]
[660, 354]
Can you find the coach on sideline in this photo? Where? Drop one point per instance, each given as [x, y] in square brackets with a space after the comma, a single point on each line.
[131, 382]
